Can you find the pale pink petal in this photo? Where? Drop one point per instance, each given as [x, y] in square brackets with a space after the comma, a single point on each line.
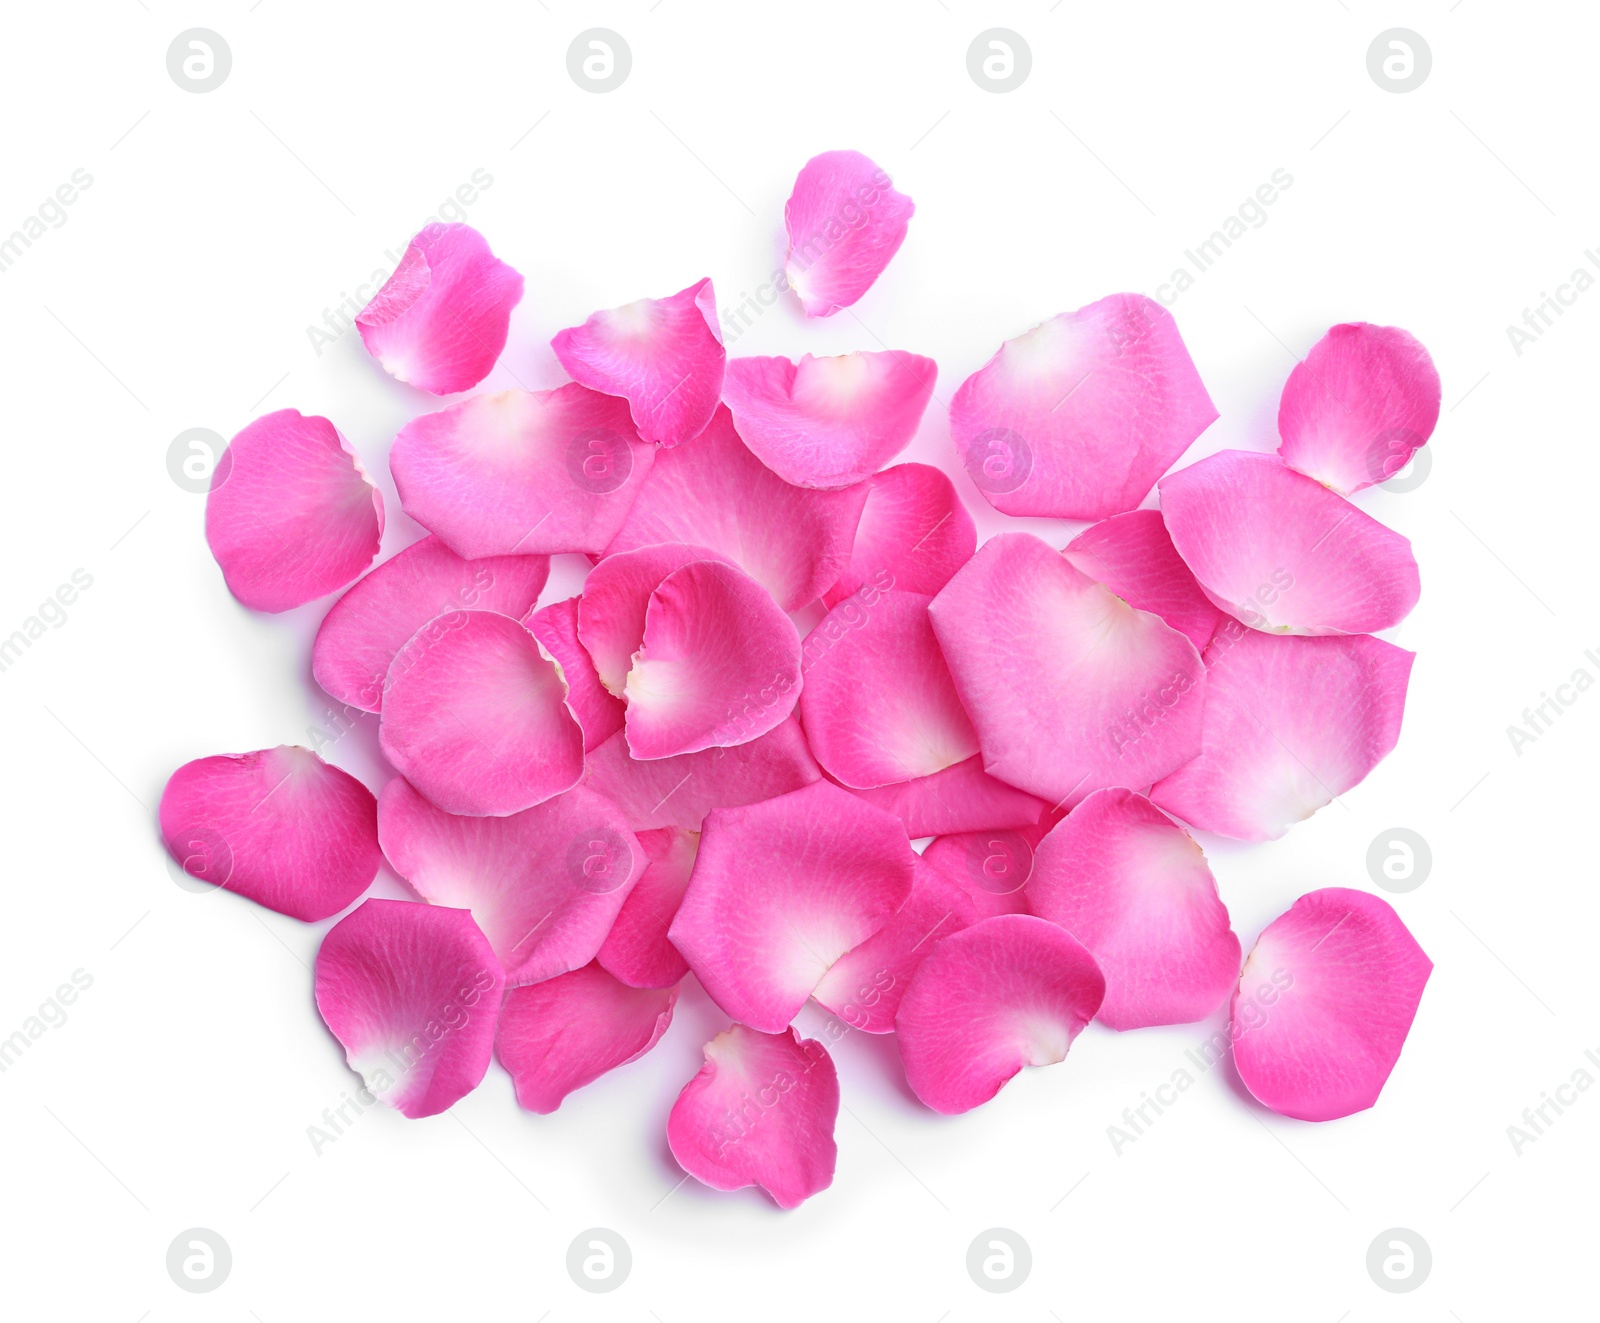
[364, 629]
[1358, 406]
[712, 492]
[440, 320]
[1290, 723]
[1280, 552]
[992, 867]
[760, 1112]
[1069, 687]
[959, 799]
[719, 664]
[913, 535]
[845, 221]
[556, 628]
[411, 992]
[522, 472]
[545, 885]
[664, 356]
[679, 792]
[1134, 888]
[559, 1035]
[829, 422]
[474, 716]
[1008, 992]
[1077, 418]
[279, 826]
[1324, 1004]
[637, 950]
[864, 986]
[290, 516]
[1133, 556]
[782, 889]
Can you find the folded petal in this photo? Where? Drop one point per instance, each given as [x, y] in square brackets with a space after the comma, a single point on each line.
[664, 356]
[829, 422]
[845, 221]
[556, 628]
[1134, 888]
[1008, 992]
[1358, 406]
[440, 320]
[992, 867]
[1324, 1004]
[522, 472]
[960, 798]
[411, 992]
[475, 716]
[712, 492]
[1077, 418]
[364, 629]
[1281, 553]
[914, 533]
[679, 792]
[559, 1035]
[637, 950]
[1070, 688]
[760, 1112]
[290, 516]
[544, 885]
[1290, 723]
[1132, 555]
[782, 889]
[279, 826]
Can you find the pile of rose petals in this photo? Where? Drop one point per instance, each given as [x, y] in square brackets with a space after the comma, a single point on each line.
[663, 776]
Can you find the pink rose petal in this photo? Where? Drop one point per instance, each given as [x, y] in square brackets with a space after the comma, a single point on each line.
[637, 950]
[1132, 555]
[845, 221]
[993, 867]
[958, 799]
[556, 628]
[913, 535]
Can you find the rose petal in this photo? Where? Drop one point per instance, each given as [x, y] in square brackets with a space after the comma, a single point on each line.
[290, 516]
[1132, 555]
[992, 867]
[556, 628]
[914, 533]
[637, 950]
[959, 799]
[845, 221]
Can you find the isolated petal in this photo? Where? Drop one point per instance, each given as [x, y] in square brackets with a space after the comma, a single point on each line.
[1290, 723]
[556, 628]
[961, 798]
[1077, 418]
[1280, 552]
[1324, 1004]
[1132, 555]
[279, 826]
[1134, 888]
[760, 1112]
[845, 221]
[1008, 992]
[522, 472]
[1358, 406]
[637, 950]
[411, 992]
[1070, 688]
[993, 867]
[914, 533]
[440, 320]
[475, 716]
[290, 516]
[782, 889]
[559, 1035]
[664, 356]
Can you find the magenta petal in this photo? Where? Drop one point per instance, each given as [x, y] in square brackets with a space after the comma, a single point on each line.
[913, 535]
[290, 516]
[664, 356]
[556, 628]
[1280, 552]
[781, 890]
[637, 950]
[522, 472]
[559, 1035]
[360, 635]
[1134, 888]
[1008, 992]
[829, 422]
[411, 992]
[1358, 406]
[1324, 1004]
[962, 798]
[712, 492]
[845, 221]
[1079, 417]
[993, 867]
[440, 320]
[1069, 687]
[279, 826]
[1290, 723]
[474, 716]
[1132, 555]
[760, 1112]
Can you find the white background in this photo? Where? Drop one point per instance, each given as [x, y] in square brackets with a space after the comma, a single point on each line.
[177, 295]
